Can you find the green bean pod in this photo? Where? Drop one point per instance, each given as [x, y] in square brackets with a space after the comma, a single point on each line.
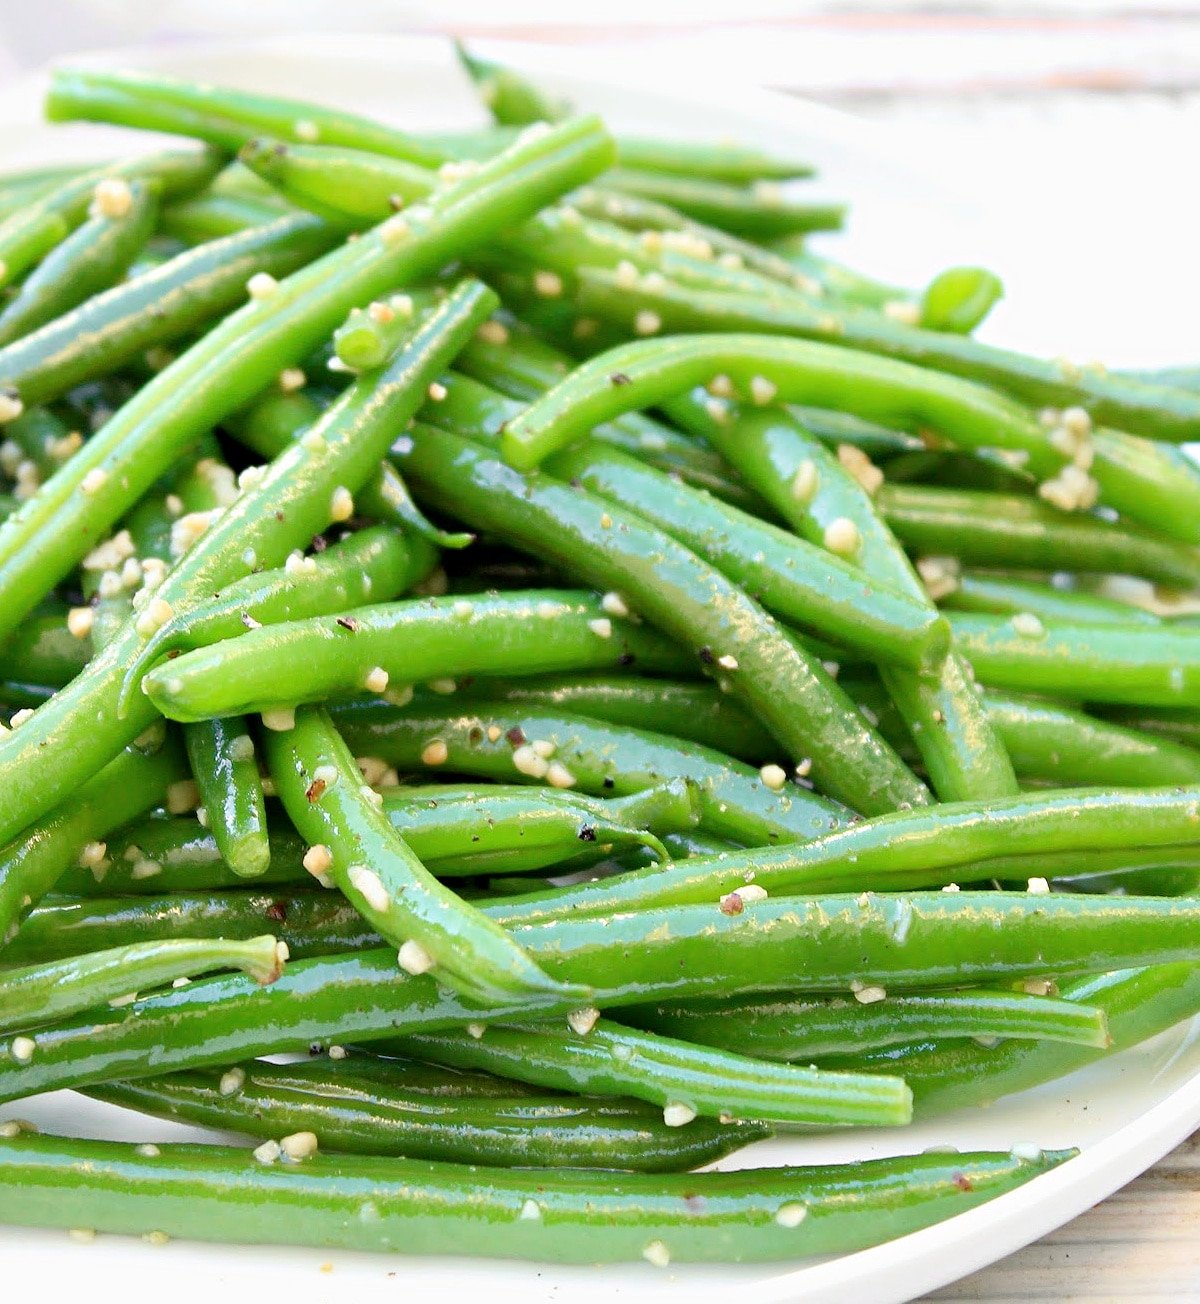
[219, 1193]
[695, 711]
[342, 452]
[40, 994]
[210, 217]
[234, 360]
[92, 258]
[734, 800]
[353, 1111]
[1155, 411]
[949, 1075]
[1002, 530]
[130, 784]
[803, 584]
[321, 790]
[805, 1028]
[682, 1078]
[224, 764]
[221, 116]
[30, 233]
[1132, 665]
[904, 943]
[962, 754]
[959, 298]
[366, 649]
[909, 849]
[753, 212]
[309, 923]
[375, 563]
[161, 305]
[1004, 595]
[455, 831]
[674, 589]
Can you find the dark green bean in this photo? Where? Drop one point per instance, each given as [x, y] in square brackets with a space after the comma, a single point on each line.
[367, 1112]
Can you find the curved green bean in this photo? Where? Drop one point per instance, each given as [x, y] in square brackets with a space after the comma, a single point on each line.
[321, 790]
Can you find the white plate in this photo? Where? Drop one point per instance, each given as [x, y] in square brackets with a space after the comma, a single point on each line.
[1124, 1114]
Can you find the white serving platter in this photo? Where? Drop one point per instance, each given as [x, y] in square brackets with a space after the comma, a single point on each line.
[907, 221]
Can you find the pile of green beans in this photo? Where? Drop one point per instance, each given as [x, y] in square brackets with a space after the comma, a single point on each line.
[495, 757]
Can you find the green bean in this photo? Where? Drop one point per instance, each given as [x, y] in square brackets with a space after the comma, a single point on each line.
[232, 362]
[804, 1028]
[92, 258]
[164, 304]
[359, 189]
[1134, 665]
[366, 1112]
[309, 923]
[248, 533]
[674, 589]
[1005, 596]
[1058, 745]
[319, 785]
[130, 784]
[734, 800]
[375, 562]
[1155, 411]
[523, 366]
[275, 418]
[40, 994]
[760, 212]
[30, 233]
[633, 958]
[637, 213]
[683, 1079]
[223, 117]
[222, 759]
[698, 712]
[945, 1075]
[799, 582]
[958, 299]
[43, 650]
[219, 1193]
[911, 849]
[369, 648]
[455, 831]
[1002, 530]
[1180, 724]
[212, 217]
[962, 754]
